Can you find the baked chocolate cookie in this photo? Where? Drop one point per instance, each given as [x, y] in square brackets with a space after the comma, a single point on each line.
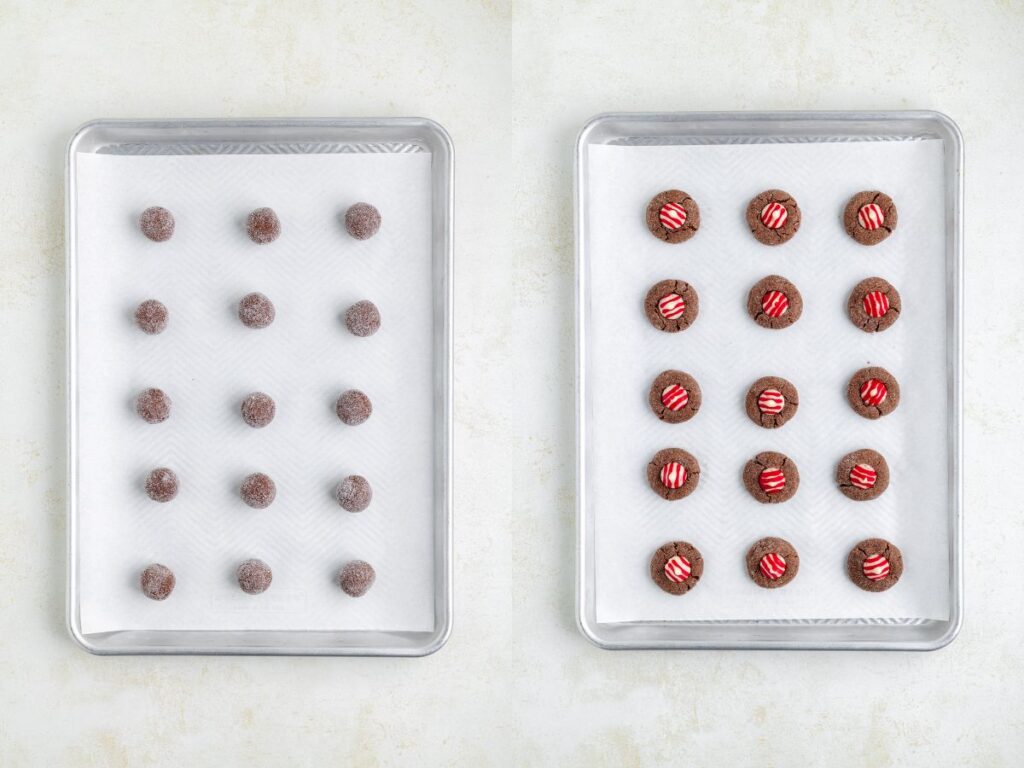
[673, 473]
[672, 305]
[673, 216]
[771, 401]
[771, 477]
[870, 217]
[774, 302]
[873, 392]
[875, 565]
[863, 475]
[772, 562]
[675, 396]
[773, 217]
[874, 304]
[677, 567]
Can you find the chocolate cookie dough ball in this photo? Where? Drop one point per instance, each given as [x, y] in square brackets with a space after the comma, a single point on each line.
[353, 407]
[673, 473]
[153, 405]
[151, 317]
[157, 581]
[362, 221]
[673, 216]
[354, 493]
[256, 311]
[771, 401]
[774, 302]
[677, 567]
[773, 217]
[870, 217]
[863, 475]
[254, 576]
[356, 578]
[873, 392]
[874, 305]
[771, 477]
[362, 318]
[157, 224]
[772, 562]
[263, 226]
[672, 305]
[162, 484]
[674, 397]
[258, 490]
[258, 409]
[875, 565]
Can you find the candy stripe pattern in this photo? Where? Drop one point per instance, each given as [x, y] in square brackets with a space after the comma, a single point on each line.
[772, 480]
[773, 565]
[876, 567]
[672, 306]
[677, 569]
[876, 304]
[774, 215]
[673, 475]
[672, 216]
[870, 216]
[863, 476]
[675, 397]
[771, 401]
[774, 303]
[873, 392]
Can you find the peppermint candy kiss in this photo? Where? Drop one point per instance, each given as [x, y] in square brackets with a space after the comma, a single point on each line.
[771, 401]
[672, 216]
[774, 303]
[876, 304]
[772, 480]
[673, 475]
[677, 569]
[870, 216]
[876, 567]
[672, 306]
[873, 392]
[863, 476]
[675, 397]
[772, 565]
[774, 215]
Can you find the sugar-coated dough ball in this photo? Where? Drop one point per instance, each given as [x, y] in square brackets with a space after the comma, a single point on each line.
[157, 582]
[258, 409]
[354, 493]
[254, 576]
[258, 490]
[256, 311]
[157, 224]
[162, 484]
[151, 317]
[353, 407]
[356, 578]
[362, 221]
[153, 405]
[263, 226]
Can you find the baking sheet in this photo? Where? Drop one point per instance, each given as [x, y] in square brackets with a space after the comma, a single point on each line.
[726, 352]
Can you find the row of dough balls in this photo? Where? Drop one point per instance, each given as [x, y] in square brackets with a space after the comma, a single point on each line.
[773, 216]
[256, 310]
[254, 577]
[353, 407]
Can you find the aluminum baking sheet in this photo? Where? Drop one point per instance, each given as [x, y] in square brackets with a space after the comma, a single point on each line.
[211, 173]
[723, 160]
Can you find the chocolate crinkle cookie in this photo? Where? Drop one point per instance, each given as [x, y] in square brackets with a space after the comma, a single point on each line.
[873, 392]
[676, 567]
[863, 475]
[772, 562]
[870, 217]
[254, 576]
[674, 397]
[672, 305]
[153, 405]
[157, 224]
[151, 317]
[258, 409]
[258, 490]
[356, 578]
[263, 226]
[256, 311]
[673, 216]
[774, 302]
[874, 304]
[771, 401]
[354, 493]
[157, 581]
[771, 477]
[353, 407]
[773, 217]
[363, 318]
[673, 473]
[362, 221]
[875, 565]
[162, 484]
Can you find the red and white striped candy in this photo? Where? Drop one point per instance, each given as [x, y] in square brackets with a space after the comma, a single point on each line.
[863, 476]
[772, 480]
[870, 216]
[673, 475]
[771, 401]
[876, 304]
[677, 569]
[873, 392]
[672, 216]
[674, 397]
[774, 215]
[773, 565]
[672, 306]
[775, 303]
[876, 567]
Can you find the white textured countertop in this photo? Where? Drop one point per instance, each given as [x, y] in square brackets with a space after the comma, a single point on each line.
[517, 684]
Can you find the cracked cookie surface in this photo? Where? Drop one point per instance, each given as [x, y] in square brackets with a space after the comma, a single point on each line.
[875, 565]
[771, 401]
[672, 305]
[774, 302]
[676, 567]
[772, 562]
[874, 304]
[873, 392]
[673, 216]
[773, 217]
[675, 396]
[870, 217]
[862, 475]
[673, 473]
[771, 477]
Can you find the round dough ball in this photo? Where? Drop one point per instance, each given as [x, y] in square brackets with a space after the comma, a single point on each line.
[157, 581]
[157, 224]
[258, 490]
[153, 405]
[254, 576]
[362, 318]
[356, 578]
[258, 409]
[256, 311]
[354, 493]
[263, 226]
[151, 317]
[162, 484]
[353, 407]
[362, 221]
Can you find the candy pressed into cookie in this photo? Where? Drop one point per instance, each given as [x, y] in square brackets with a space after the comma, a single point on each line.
[873, 392]
[673, 216]
[875, 565]
[672, 305]
[774, 302]
[675, 396]
[771, 401]
[673, 473]
[870, 217]
[676, 567]
[862, 475]
[771, 477]
[874, 304]
[772, 562]
[773, 217]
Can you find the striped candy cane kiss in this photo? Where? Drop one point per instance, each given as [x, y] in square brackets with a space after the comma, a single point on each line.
[876, 304]
[672, 306]
[674, 397]
[863, 476]
[771, 401]
[873, 392]
[876, 567]
[672, 216]
[673, 475]
[775, 303]
[870, 216]
[772, 480]
[773, 565]
[774, 215]
[677, 569]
